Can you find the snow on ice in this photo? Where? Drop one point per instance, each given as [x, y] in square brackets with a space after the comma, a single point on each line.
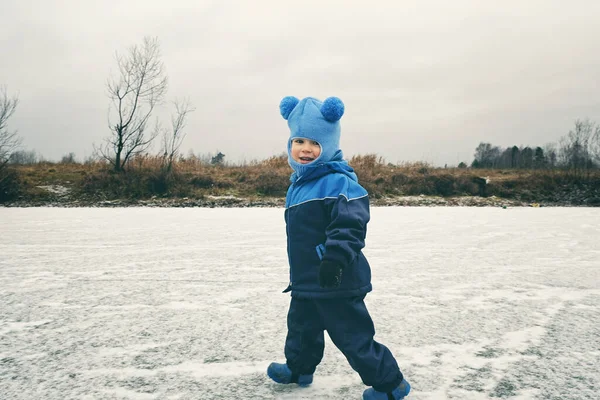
[143, 303]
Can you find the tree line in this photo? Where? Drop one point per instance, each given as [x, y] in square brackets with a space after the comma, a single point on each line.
[578, 151]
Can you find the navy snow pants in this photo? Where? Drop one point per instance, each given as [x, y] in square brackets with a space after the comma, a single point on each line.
[350, 328]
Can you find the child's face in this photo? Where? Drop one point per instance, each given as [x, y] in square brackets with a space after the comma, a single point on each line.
[305, 151]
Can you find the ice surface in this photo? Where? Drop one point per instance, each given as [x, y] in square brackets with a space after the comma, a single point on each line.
[145, 303]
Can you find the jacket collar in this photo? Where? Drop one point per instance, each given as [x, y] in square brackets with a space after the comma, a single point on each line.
[314, 171]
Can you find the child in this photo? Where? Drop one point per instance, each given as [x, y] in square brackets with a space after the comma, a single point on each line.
[326, 220]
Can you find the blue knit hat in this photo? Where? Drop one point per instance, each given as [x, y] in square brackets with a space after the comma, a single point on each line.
[315, 120]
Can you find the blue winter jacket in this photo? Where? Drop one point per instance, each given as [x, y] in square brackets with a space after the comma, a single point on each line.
[326, 218]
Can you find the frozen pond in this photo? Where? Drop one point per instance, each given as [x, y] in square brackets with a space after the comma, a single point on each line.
[142, 303]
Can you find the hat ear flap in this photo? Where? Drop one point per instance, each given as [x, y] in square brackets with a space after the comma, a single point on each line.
[332, 109]
[287, 105]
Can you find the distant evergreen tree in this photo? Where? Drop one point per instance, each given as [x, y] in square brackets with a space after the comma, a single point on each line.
[539, 159]
[218, 159]
[514, 157]
[527, 158]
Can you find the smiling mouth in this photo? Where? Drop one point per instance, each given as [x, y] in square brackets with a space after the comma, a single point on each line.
[306, 159]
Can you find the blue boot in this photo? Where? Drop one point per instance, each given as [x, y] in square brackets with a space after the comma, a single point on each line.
[281, 373]
[397, 394]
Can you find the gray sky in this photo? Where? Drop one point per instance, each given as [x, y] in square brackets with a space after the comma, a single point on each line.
[421, 80]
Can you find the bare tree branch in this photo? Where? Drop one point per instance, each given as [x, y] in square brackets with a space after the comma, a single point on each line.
[173, 139]
[9, 141]
[595, 145]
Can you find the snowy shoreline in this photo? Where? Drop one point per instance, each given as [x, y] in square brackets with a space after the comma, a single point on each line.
[240, 202]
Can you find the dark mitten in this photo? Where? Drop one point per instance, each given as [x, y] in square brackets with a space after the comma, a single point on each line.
[330, 274]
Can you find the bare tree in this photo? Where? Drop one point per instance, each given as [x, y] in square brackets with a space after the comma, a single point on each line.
[68, 158]
[486, 155]
[9, 141]
[140, 86]
[595, 144]
[551, 155]
[575, 147]
[23, 157]
[173, 138]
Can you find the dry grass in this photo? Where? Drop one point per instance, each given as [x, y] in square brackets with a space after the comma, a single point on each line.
[191, 178]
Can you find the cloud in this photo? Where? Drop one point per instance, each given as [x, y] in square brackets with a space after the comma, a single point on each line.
[421, 80]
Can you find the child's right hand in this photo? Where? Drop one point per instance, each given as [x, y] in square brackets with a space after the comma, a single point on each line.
[330, 274]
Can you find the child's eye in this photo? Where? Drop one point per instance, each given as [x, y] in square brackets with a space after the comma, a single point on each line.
[315, 143]
[299, 141]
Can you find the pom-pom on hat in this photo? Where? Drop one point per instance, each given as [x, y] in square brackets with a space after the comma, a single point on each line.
[315, 120]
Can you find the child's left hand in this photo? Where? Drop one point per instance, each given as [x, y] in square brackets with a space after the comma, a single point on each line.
[330, 274]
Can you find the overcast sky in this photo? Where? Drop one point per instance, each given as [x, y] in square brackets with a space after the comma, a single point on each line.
[422, 80]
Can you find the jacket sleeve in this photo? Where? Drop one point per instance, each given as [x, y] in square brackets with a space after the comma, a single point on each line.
[347, 231]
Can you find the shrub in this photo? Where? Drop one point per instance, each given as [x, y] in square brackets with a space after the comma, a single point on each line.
[10, 186]
[465, 186]
[132, 184]
[594, 202]
[373, 190]
[443, 185]
[399, 179]
[158, 183]
[420, 185]
[202, 181]
[271, 184]
[241, 177]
